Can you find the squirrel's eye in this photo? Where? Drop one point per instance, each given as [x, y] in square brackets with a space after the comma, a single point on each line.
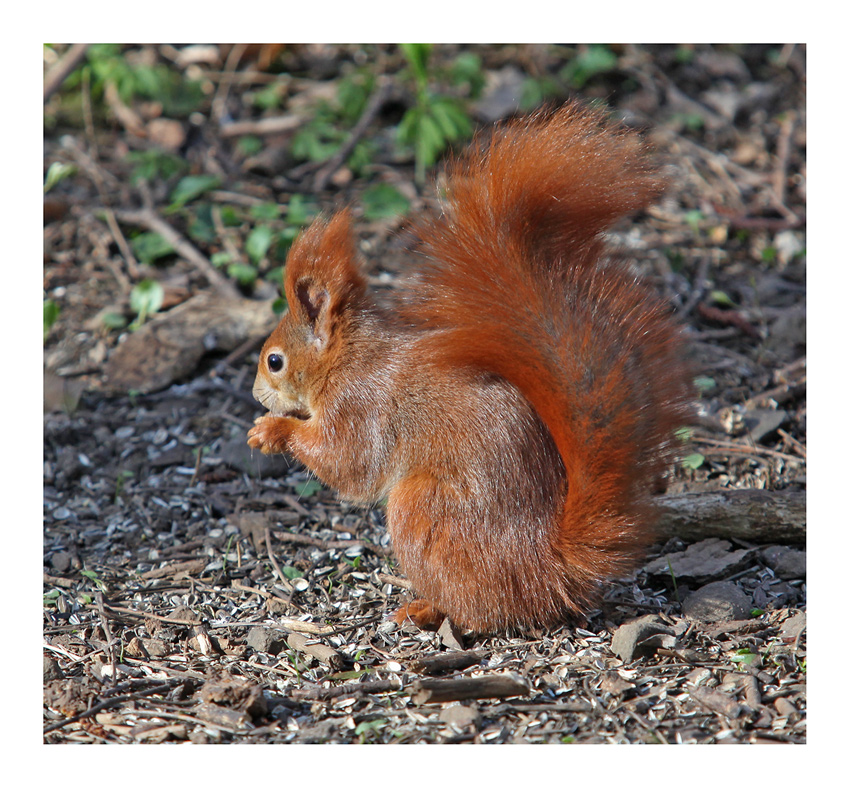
[275, 362]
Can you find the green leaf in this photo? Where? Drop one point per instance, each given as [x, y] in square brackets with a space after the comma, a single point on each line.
[370, 726]
[56, 172]
[704, 384]
[452, 119]
[230, 216]
[383, 201]
[693, 461]
[721, 298]
[258, 242]
[190, 188]
[220, 259]
[94, 578]
[269, 97]
[249, 145]
[113, 321]
[429, 144]
[146, 298]
[745, 656]
[409, 125]
[265, 211]
[417, 55]
[693, 218]
[684, 434]
[299, 210]
[151, 165]
[291, 573]
[308, 488]
[51, 313]
[589, 62]
[352, 94]
[149, 247]
[202, 227]
[466, 69]
[244, 274]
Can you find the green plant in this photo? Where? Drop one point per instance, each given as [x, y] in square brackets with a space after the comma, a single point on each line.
[383, 201]
[720, 298]
[151, 165]
[329, 128]
[57, 172]
[98, 583]
[120, 480]
[589, 62]
[308, 488]
[693, 461]
[436, 120]
[150, 247]
[704, 384]
[135, 76]
[51, 315]
[370, 730]
[745, 656]
[145, 299]
[291, 573]
[190, 188]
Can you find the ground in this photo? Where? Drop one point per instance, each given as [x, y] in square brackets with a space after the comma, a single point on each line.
[196, 592]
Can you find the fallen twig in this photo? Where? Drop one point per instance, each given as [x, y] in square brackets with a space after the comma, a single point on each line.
[147, 217]
[61, 71]
[760, 516]
[377, 100]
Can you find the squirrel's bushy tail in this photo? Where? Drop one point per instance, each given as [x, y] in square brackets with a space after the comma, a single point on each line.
[516, 279]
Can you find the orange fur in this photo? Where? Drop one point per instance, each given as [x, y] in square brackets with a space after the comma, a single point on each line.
[517, 406]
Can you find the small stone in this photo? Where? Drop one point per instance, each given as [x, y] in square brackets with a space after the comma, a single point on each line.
[61, 561]
[786, 562]
[793, 627]
[269, 641]
[720, 601]
[761, 422]
[642, 638]
[701, 562]
[51, 669]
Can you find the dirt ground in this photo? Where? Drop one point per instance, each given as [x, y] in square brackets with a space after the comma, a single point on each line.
[194, 592]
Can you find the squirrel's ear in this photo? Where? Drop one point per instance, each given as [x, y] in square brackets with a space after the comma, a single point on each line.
[323, 278]
[314, 302]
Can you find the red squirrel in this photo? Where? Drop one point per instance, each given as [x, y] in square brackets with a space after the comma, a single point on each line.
[518, 404]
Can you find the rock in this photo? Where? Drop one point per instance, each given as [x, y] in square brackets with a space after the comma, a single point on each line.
[61, 561]
[270, 641]
[793, 627]
[761, 422]
[715, 602]
[786, 562]
[51, 670]
[642, 638]
[701, 562]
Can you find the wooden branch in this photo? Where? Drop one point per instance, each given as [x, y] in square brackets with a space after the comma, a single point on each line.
[148, 218]
[751, 515]
[447, 690]
[61, 71]
[448, 661]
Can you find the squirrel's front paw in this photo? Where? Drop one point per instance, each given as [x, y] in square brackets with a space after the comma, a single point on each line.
[268, 435]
